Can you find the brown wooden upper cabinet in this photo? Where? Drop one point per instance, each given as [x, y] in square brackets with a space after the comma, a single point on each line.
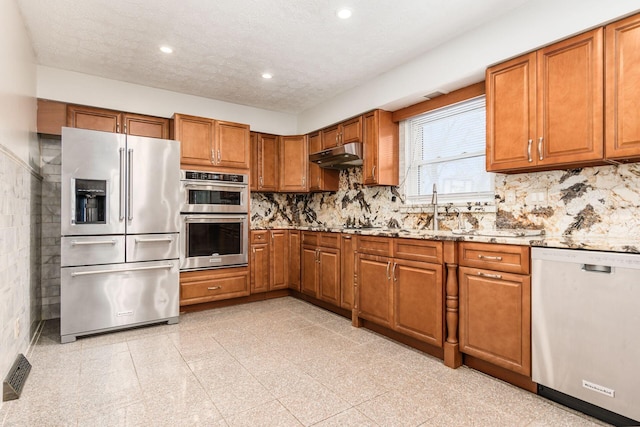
[622, 89]
[83, 117]
[545, 108]
[294, 164]
[380, 149]
[211, 144]
[321, 179]
[342, 133]
[264, 162]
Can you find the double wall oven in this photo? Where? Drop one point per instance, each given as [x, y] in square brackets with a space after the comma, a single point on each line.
[215, 220]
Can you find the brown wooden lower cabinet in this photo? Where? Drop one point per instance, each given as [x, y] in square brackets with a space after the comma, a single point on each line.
[294, 259]
[213, 285]
[321, 261]
[269, 263]
[375, 292]
[279, 255]
[347, 269]
[495, 308]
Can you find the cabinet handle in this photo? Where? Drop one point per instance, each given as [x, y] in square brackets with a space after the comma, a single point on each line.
[213, 156]
[388, 265]
[346, 237]
[393, 272]
[337, 134]
[254, 250]
[492, 258]
[214, 288]
[492, 276]
[529, 150]
[272, 237]
[261, 182]
[125, 127]
[219, 156]
[540, 149]
[117, 127]
[373, 172]
[304, 179]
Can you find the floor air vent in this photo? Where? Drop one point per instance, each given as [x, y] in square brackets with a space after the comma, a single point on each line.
[17, 376]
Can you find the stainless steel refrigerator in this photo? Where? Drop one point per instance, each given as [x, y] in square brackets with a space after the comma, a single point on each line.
[119, 232]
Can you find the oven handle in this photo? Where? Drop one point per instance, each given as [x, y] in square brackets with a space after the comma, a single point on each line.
[217, 217]
[216, 185]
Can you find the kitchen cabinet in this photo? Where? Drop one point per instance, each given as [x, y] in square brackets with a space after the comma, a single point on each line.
[210, 144]
[380, 149]
[213, 285]
[83, 117]
[347, 269]
[400, 286]
[294, 164]
[545, 108]
[342, 133]
[269, 260]
[495, 304]
[264, 162]
[622, 89]
[321, 266]
[321, 179]
[51, 117]
[294, 259]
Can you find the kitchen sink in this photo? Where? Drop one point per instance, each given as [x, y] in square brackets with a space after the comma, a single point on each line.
[515, 232]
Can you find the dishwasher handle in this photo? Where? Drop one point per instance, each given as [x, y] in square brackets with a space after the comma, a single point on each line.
[594, 268]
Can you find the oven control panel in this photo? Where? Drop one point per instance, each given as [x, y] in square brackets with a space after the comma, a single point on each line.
[213, 176]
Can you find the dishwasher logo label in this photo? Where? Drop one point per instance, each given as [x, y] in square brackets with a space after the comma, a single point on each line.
[598, 388]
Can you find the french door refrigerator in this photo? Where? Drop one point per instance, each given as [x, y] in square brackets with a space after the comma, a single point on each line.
[119, 232]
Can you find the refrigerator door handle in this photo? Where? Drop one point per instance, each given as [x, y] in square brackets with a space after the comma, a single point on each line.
[130, 184]
[123, 270]
[123, 183]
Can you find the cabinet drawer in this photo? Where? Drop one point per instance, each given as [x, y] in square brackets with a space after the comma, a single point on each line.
[372, 245]
[310, 238]
[259, 236]
[491, 256]
[329, 240]
[418, 250]
[212, 285]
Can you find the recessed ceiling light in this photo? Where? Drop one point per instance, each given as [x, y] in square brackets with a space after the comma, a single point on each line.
[267, 75]
[344, 13]
[166, 49]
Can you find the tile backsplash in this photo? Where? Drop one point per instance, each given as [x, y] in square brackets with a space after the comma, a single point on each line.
[596, 201]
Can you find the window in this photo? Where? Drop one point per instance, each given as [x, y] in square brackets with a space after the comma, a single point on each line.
[446, 147]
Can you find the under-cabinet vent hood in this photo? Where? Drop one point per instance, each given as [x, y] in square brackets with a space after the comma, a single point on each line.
[342, 157]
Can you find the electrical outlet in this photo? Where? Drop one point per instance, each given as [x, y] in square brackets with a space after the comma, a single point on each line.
[16, 330]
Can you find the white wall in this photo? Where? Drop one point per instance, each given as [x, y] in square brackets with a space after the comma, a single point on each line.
[78, 88]
[17, 87]
[19, 188]
[462, 61]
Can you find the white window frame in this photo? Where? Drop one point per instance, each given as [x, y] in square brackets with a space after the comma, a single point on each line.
[486, 198]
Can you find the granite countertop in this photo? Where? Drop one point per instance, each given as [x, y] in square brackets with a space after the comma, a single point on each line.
[509, 237]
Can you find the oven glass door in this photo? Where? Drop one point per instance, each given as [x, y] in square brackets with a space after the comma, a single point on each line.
[214, 241]
[214, 198]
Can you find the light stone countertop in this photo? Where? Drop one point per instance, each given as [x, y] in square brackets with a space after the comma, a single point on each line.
[509, 237]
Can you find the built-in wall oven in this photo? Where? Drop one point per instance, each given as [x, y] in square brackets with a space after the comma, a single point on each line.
[215, 220]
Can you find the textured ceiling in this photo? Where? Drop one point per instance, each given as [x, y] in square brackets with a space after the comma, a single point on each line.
[221, 47]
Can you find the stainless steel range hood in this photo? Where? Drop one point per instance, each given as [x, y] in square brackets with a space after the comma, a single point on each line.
[342, 157]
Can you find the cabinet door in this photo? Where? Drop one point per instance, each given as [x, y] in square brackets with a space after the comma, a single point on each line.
[511, 114]
[418, 300]
[268, 162]
[329, 275]
[294, 164]
[149, 126]
[315, 171]
[259, 268]
[622, 89]
[330, 137]
[93, 118]
[495, 318]
[294, 259]
[52, 116]
[196, 139]
[231, 145]
[375, 292]
[351, 130]
[380, 149]
[279, 260]
[254, 173]
[570, 100]
[347, 270]
[309, 282]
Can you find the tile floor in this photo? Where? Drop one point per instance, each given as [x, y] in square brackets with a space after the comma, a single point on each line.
[279, 362]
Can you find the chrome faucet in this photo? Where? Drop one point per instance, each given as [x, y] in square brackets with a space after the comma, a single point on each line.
[434, 202]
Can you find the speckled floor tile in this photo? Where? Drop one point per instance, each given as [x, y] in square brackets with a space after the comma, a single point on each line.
[269, 363]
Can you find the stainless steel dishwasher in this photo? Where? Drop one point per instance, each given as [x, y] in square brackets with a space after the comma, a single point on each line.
[586, 331]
